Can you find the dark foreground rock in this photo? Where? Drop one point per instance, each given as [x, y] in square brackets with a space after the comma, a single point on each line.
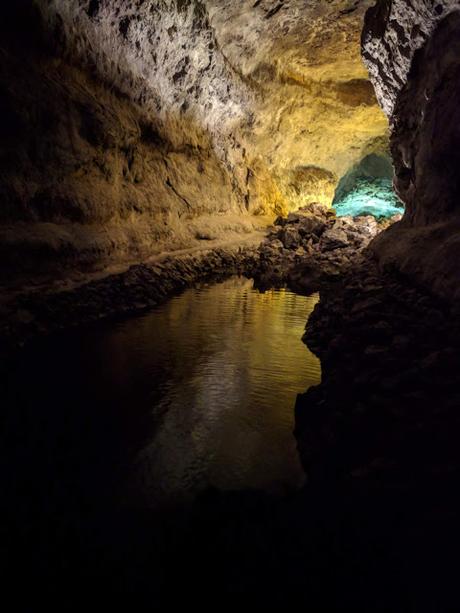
[388, 406]
[412, 50]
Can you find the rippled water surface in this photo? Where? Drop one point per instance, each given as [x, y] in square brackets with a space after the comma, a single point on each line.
[201, 390]
[232, 363]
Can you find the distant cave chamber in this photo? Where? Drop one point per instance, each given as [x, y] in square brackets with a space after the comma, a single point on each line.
[367, 189]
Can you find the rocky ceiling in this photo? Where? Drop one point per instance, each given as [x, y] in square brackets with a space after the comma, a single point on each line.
[278, 86]
[151, 113]
[412, 50]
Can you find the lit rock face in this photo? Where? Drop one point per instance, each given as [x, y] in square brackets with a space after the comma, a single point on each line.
[145, 125]
[413, 51]
[394, 30]
[315, 113]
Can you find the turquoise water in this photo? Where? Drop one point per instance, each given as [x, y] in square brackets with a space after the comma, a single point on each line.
[370, 197]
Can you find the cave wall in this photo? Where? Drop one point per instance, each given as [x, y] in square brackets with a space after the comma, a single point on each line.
[315, 112]
[413, 54]
[393, 31]
[132, 127]
[89, 175]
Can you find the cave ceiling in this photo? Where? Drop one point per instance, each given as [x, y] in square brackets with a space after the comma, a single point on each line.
[277, 88]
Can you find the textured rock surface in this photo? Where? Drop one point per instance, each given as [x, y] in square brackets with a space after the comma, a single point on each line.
[314, 115]
[131, 126]
[394, 30]
[86, 177]
[412, 50]
[312, 246]
[386, 411]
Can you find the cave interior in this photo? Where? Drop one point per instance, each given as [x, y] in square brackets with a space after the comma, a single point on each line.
[180, 177]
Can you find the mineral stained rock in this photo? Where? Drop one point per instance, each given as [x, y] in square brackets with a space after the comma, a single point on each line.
[133, 127]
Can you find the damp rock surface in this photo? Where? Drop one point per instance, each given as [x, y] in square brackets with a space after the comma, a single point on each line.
[394, 31]
[370, 197]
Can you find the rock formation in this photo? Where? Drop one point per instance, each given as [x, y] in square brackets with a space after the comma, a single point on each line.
[312, 247]
[412, 51]
[135, 127]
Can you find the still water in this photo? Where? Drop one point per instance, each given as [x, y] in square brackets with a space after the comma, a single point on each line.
[200, 390]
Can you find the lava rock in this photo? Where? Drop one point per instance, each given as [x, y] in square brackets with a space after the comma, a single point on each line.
[334, 239]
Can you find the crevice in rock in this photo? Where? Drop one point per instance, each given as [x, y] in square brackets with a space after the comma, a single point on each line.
[184, 200]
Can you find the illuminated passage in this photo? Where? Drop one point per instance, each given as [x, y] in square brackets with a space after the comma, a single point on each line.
[367, 189]
[370, 197]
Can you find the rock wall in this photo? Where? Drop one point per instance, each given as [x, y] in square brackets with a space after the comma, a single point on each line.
[393, 31]
[413, 54]
[86, 176]
[315, 114]
[134, 127]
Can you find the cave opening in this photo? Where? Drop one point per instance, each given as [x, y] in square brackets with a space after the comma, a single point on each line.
[367, 189]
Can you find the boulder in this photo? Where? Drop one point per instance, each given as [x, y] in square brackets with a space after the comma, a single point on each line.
[334, 238]
[290, 237]
[311, 225]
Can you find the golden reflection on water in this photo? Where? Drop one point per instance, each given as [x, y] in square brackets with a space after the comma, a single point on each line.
[226, 363]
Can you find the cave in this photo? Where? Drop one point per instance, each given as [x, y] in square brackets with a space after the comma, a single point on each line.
[229, 321]
[367, 189]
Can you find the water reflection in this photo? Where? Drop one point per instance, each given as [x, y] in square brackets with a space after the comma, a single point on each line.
[225, 364]
[204, 385]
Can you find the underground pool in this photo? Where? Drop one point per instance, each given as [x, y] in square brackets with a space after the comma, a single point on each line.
[199, 392]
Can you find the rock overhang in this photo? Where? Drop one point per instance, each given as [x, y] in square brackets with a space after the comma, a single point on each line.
[277, 85]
